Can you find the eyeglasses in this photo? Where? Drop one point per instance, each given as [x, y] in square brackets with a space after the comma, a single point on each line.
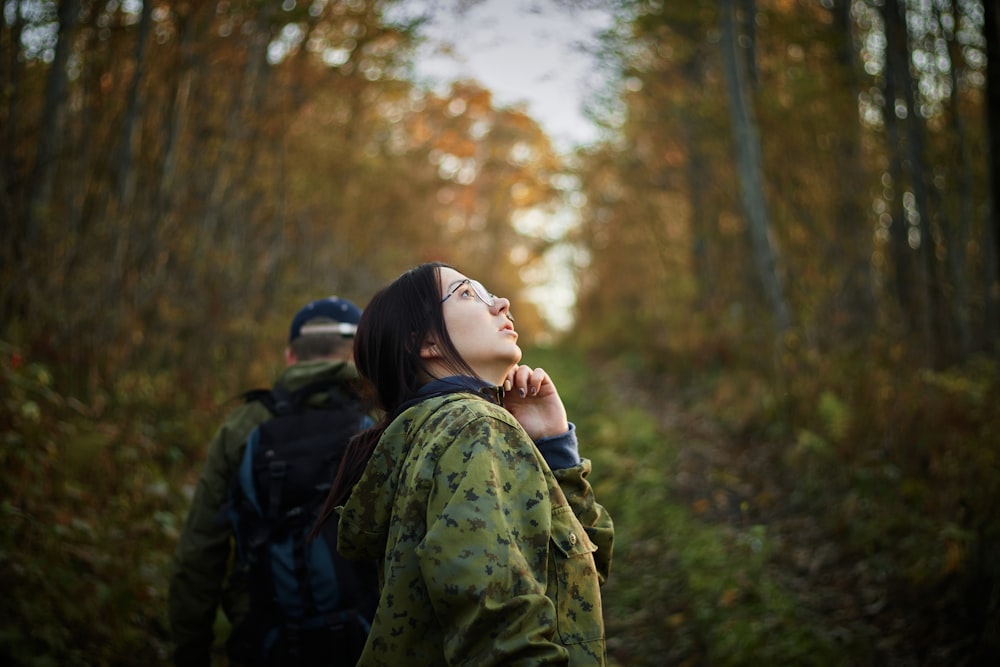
[477, 289]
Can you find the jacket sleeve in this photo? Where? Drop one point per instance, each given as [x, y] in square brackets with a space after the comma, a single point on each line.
[203, 550]
[561, 452]
[484, 555]
[595, 519]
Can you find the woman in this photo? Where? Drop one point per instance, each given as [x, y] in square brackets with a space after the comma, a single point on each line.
[474, 499]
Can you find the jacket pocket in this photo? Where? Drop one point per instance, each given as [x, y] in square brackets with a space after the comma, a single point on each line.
[573, 581]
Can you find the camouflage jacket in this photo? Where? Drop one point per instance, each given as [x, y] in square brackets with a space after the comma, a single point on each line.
[199, 582]
[489, 557]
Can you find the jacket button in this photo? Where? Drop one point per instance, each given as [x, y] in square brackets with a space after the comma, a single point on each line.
[572, 538]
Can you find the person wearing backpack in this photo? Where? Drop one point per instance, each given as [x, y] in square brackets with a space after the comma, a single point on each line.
[470, 491]
[245, 546]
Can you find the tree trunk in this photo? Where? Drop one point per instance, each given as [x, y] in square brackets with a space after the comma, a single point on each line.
[903, 272]
[124, 167]
[958, 241]
[899, 87]
[991, 28]
[239, 129]
[853, 236]
[43, 173]
[191, 26]
[124, 171]
[12, 219]
[749, 163]
[11, 72]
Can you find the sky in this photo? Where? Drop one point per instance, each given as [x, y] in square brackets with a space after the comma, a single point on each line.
[525, 51]
[529, 52]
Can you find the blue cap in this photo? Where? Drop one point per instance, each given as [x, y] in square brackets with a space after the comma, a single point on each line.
[344, 315]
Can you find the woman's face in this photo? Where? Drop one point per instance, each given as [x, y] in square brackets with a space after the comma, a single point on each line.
[482, 334]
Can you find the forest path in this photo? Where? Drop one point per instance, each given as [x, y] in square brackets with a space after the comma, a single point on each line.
[739, 481]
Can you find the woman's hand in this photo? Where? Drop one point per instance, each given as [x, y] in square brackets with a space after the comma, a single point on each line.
[532, 398]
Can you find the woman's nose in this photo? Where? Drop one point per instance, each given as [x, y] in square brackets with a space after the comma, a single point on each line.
[502, 305]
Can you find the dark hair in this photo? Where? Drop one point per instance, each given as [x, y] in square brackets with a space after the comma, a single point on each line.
[393, 326]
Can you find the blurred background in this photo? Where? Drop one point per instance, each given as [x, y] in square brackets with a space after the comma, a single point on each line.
[754, 241]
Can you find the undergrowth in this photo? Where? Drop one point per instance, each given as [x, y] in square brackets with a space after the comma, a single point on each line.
[842, 515]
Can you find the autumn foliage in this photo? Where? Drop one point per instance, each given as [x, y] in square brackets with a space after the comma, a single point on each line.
[783, 358]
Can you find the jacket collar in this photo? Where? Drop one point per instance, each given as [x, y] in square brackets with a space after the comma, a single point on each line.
[457, 383]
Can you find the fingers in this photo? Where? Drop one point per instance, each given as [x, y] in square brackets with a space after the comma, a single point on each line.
[526, 381]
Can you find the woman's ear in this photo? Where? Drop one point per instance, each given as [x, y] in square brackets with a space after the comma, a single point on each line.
[429, 349]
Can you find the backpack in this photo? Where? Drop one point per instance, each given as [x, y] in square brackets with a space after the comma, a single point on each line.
[308, 605]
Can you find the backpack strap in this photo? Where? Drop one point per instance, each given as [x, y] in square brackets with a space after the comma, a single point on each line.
[260, 396]
[302, 573]
[292, 563]
[276, 482]
[280, 401]
[283, 401]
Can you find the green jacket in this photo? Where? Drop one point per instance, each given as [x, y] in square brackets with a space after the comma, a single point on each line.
[199, 582]
[489, 558]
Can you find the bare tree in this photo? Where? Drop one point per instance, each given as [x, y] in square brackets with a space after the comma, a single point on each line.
[55, 99]
[11, 232]
[958, 239]
[124, 172]
[909, 156]
[991, 29]
[749, 160]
